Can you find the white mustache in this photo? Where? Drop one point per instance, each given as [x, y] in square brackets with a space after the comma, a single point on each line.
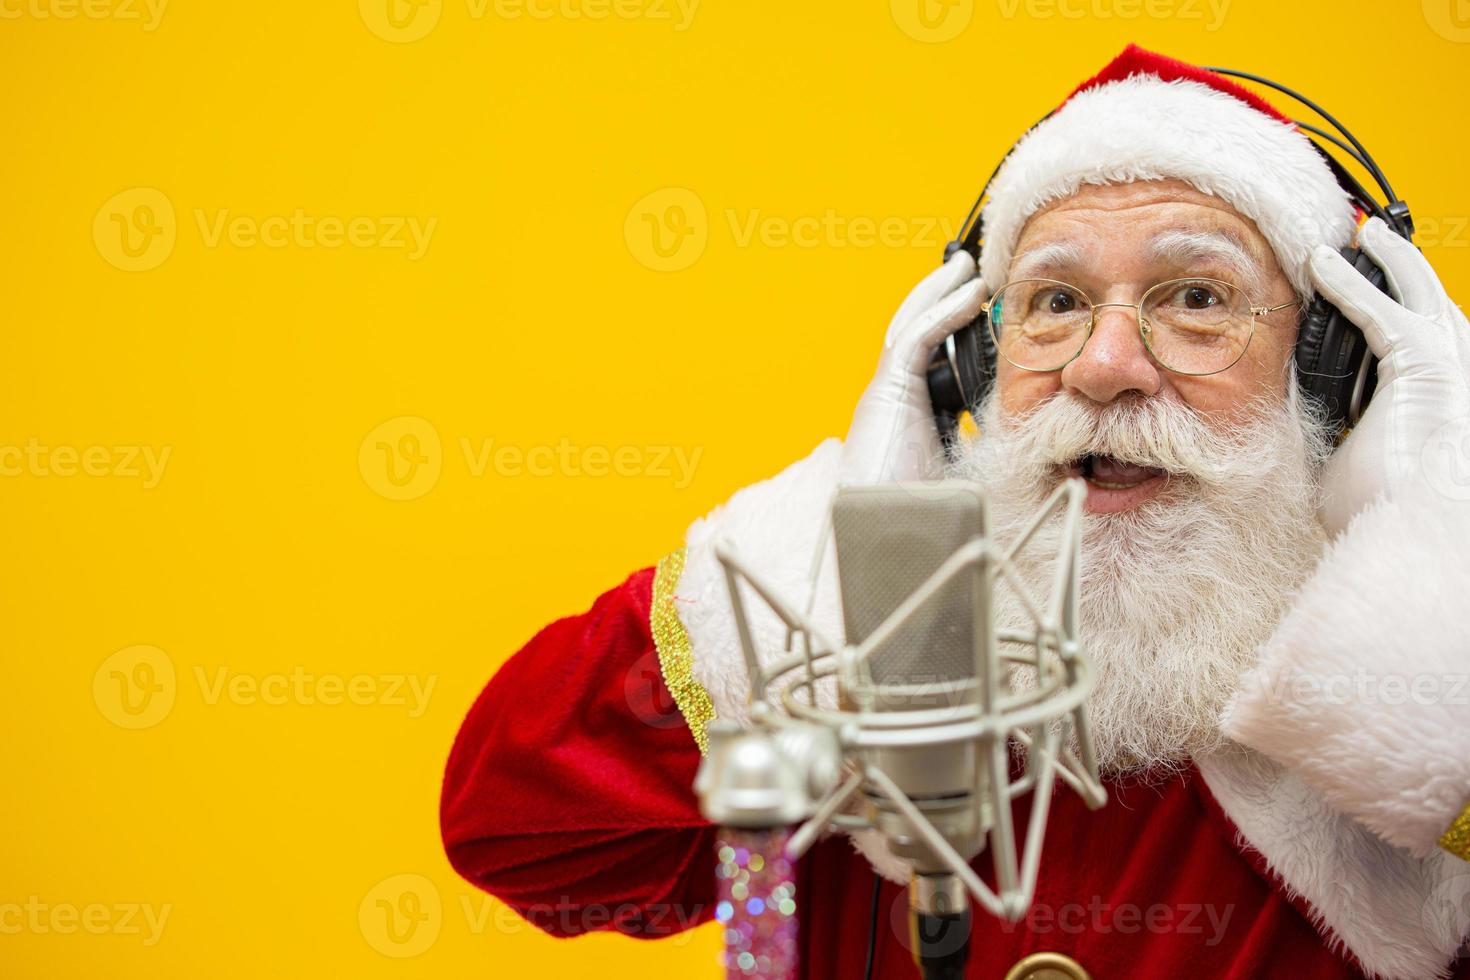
[1154, 432]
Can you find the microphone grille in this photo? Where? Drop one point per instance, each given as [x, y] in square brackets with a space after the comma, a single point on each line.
[889, 540]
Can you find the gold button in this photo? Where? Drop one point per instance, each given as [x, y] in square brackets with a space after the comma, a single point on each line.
[1048, 966]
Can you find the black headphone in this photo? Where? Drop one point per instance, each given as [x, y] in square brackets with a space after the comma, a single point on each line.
[1334, 365]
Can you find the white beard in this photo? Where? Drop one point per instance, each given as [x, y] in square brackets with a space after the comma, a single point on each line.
[1177, 594]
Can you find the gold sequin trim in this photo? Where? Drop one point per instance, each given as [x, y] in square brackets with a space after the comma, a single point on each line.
[676, 653]
[1456, 840]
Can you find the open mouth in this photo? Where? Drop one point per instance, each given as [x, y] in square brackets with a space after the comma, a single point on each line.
[1113, 474]
[1113, 484]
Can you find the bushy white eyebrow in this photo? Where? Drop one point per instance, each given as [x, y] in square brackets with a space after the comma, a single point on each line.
[1184, 249]
[1052, 257]
[1180, 248]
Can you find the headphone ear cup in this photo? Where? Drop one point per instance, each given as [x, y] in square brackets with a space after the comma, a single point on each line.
[1308, 355]
[1334, 364]
[960, 372]
[971, 345]
[962, 368]
[982, 363]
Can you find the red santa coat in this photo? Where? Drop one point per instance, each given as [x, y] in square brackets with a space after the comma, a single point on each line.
[568, 795]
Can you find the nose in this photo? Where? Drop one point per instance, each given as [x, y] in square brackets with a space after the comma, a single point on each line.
[1114, 360]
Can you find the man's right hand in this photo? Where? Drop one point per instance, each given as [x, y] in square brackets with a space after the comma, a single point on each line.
[893, 437]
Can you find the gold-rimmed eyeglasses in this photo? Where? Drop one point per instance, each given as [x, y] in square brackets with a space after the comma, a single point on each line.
[1189, 326]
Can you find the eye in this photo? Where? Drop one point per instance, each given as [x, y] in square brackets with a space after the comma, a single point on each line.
[1196, 296]
[1057, 302]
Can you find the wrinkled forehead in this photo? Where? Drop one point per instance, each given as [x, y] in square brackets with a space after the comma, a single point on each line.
[1143, 228]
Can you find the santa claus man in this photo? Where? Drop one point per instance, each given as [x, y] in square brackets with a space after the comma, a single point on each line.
[1277, 626]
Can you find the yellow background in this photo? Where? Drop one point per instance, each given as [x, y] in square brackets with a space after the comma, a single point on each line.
[538, 316]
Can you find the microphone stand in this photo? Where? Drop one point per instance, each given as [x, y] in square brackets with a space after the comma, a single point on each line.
[940, 923]
[797, 760]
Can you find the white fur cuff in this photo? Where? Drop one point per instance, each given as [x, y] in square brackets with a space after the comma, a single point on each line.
[1364, 689]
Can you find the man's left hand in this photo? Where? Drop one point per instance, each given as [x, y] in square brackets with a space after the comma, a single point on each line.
[1418, 421]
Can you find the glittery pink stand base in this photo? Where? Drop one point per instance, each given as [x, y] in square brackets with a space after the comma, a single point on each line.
[756, 904]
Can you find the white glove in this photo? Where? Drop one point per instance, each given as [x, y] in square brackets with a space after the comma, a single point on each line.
[893, 436]
[1416, 429]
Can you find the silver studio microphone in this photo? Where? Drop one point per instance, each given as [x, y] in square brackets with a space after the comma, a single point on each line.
[889, 542]
[926, 721]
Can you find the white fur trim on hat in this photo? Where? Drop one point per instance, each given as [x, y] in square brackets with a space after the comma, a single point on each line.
[1144, 128]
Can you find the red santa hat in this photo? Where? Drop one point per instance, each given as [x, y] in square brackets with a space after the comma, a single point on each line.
[1147, 117]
